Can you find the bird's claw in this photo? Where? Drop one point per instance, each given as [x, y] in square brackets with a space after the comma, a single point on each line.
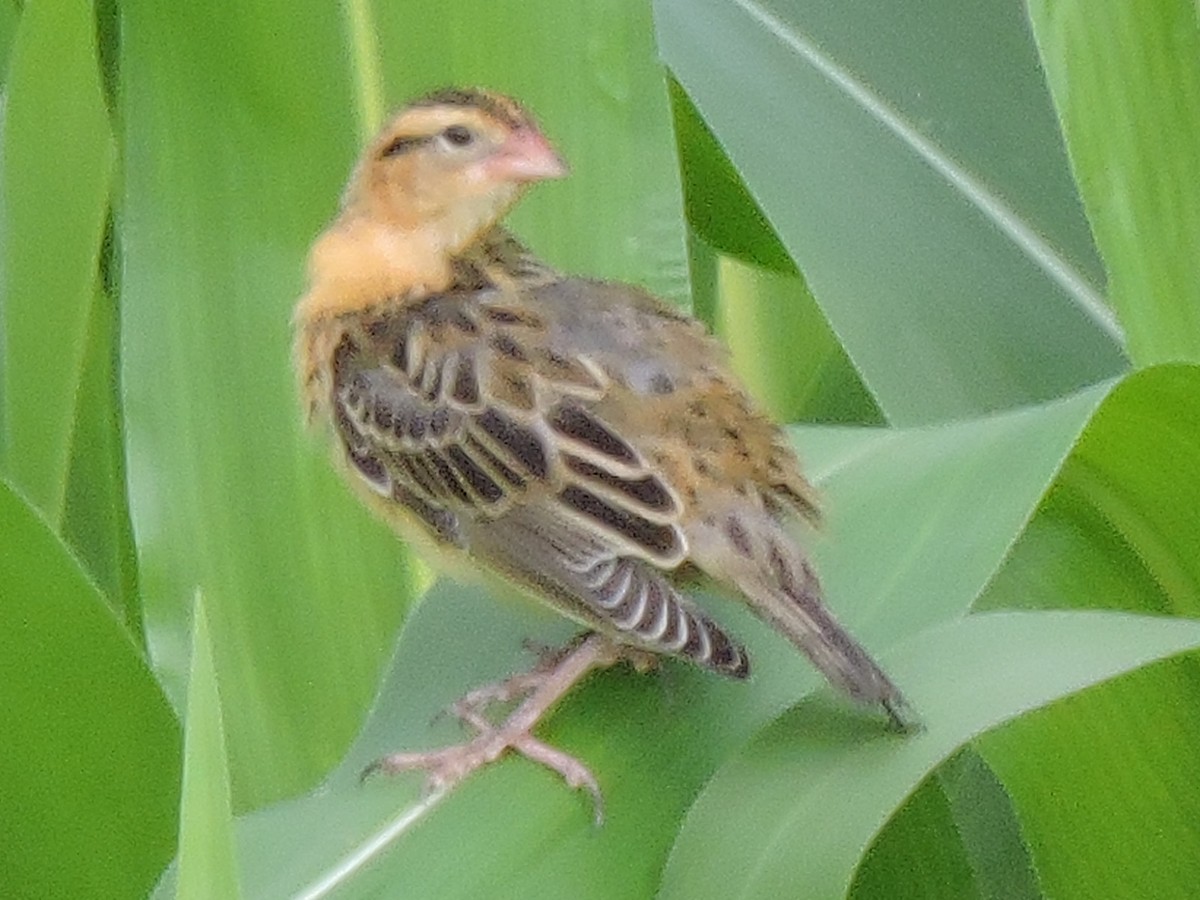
[446, 767]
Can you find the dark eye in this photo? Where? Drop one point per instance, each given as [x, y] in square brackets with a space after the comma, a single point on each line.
[458, 136]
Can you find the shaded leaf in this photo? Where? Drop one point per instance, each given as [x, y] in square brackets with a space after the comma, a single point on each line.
[765, 824]
[957, 280]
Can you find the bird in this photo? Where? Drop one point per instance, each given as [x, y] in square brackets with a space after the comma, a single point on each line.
[582, 440]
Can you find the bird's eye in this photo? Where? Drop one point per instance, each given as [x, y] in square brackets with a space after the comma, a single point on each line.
[458, 136]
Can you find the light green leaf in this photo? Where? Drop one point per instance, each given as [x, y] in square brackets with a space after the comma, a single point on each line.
[1126, 82]
[893, 562]
[57, 171]
[207, 866]
[802, 803]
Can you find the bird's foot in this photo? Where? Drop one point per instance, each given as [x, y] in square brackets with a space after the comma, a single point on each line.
[539, 689]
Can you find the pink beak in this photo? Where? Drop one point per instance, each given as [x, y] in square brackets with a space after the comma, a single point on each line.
[526, 156]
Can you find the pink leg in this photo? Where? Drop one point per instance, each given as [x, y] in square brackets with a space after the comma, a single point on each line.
[542, 687]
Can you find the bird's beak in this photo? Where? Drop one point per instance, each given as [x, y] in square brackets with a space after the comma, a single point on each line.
[526, 156]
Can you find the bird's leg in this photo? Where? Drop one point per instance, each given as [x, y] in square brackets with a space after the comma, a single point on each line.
[471, 707]
[543, 686]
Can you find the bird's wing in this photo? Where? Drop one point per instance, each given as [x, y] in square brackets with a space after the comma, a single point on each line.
[460, 411]
[731, 467]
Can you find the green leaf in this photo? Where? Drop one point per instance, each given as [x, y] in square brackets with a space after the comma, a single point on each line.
[57, 172]
[920, 854]
[89, 776]
[913, 189]
[781, 346]
[716, 200]
[96, 520]
[10, 16]
[1101, 804]
[766, 823]
[987, 822]
[746, 287]
[207, 867]
[1126, 82]
[654, 742]
[956, 837]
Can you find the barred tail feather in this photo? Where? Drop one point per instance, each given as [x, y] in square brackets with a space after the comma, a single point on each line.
[769, 569]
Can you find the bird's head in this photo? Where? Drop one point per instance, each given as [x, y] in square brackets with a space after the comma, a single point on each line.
[455, 161]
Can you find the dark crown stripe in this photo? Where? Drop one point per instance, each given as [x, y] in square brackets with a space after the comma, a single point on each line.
[507, 112]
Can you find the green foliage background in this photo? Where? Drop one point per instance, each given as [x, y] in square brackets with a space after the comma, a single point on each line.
[959, 244]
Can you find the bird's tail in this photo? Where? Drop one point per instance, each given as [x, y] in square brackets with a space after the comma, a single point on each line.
[768, 567]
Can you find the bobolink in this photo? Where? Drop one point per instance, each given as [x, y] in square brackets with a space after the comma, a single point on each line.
[582, 439]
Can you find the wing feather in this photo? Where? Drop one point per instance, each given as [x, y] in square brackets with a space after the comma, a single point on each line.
[453, 403]
[450, 410]
[619, 595]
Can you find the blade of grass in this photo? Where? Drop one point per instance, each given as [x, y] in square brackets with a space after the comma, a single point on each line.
[1126, 82]
[207, 863]
[54, 214]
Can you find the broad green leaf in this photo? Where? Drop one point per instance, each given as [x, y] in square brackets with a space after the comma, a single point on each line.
[1104, 786]
[89, 776]
[58, 161]
[918, 520]
[926, 200]
[207, 867]
[893, 561]
[802, 803]
[1126, 82]
[1119, 528]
